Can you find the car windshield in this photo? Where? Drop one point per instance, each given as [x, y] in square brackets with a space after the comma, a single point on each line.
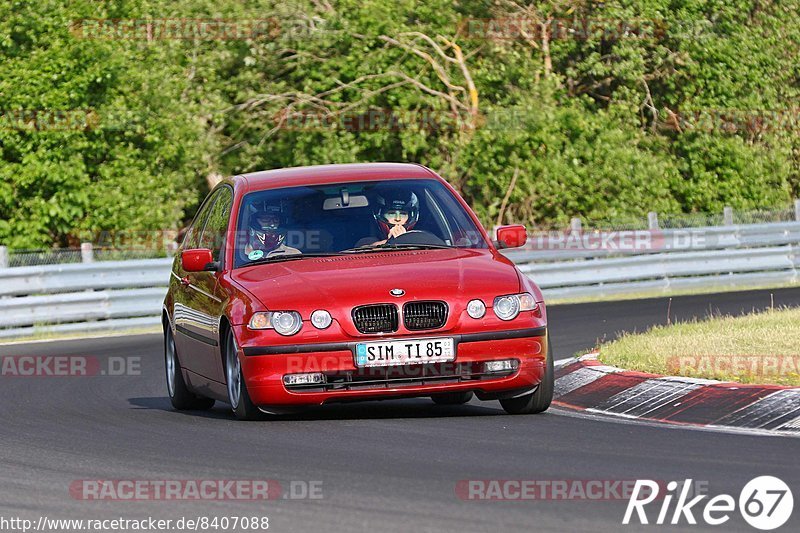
[355, 217]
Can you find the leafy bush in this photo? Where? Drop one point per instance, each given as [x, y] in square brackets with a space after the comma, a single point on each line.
[602, 125]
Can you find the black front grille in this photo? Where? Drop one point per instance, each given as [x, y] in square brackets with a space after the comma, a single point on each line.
[379, 318]
[424, 315]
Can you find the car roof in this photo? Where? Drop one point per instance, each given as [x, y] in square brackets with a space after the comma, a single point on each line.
[324, 174]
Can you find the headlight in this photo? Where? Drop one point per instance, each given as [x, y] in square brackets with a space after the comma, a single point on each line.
[321, 319]
[476, 309]
[508, 307]
[284, 322]
[287, 323]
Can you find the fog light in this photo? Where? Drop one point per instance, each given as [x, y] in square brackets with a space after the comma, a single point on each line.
[321, 319]
[506, 365]
[476, 309]
[304, 379]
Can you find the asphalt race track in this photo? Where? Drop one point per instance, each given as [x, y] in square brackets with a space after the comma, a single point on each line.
[384, 466]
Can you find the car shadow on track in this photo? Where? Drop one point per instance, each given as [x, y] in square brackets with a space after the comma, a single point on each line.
[384, 409]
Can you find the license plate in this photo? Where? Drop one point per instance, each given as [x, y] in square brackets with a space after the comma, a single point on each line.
[405, 352]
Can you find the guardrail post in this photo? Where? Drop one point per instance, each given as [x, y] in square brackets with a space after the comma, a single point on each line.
[727, 215]
[3, 257]
[652, 220]
[575, 225]
[87, 252]
[797, 209]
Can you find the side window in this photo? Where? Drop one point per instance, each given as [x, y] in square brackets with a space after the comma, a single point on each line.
[213, 236]
[192, 237]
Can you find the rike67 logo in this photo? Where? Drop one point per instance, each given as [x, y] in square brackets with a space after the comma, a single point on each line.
[765, 503]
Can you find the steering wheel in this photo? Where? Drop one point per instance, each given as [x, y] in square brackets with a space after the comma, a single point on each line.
[416, 237]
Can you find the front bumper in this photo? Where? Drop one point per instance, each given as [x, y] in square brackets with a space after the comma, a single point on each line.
[264, 367]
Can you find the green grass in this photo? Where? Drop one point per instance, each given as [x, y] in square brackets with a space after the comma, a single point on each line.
[53, 336]
[756, 348]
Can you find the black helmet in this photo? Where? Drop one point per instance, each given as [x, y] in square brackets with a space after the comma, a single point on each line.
[267, 224]
[403, 201]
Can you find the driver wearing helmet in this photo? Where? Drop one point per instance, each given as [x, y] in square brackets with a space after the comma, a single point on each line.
[266, 231]
[396, 215]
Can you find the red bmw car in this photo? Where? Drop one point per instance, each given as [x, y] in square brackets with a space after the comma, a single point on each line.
[307, 286]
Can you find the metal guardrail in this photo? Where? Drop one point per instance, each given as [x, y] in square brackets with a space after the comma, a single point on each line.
[81, 306]
[82, 297]
[124, 294]
[663, 266]
[692, 258]
[667, 271]
[542, 247]
[49, 279]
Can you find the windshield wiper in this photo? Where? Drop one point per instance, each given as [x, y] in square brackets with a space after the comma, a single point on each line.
[425, 246]
[362, 249]
[388, 247]
[289, 257]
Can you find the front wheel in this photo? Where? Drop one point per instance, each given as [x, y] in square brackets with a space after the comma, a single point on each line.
[179, 394]
[539, 400]
[238, 397]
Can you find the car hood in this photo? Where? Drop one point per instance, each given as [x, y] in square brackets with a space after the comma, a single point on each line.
[349, 280]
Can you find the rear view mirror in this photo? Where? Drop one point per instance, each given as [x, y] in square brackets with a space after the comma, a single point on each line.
[358, 200]
[511, 236]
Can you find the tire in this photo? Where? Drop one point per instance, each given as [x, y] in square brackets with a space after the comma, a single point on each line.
[241, 404]
[452, 398]
[539, 400]
[179, 394]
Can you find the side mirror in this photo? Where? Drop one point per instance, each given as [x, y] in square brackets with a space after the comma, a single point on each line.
[511, 236]
[198, 260]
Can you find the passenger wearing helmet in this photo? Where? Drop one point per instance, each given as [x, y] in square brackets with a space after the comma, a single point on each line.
[396, 215]
[266, 231]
